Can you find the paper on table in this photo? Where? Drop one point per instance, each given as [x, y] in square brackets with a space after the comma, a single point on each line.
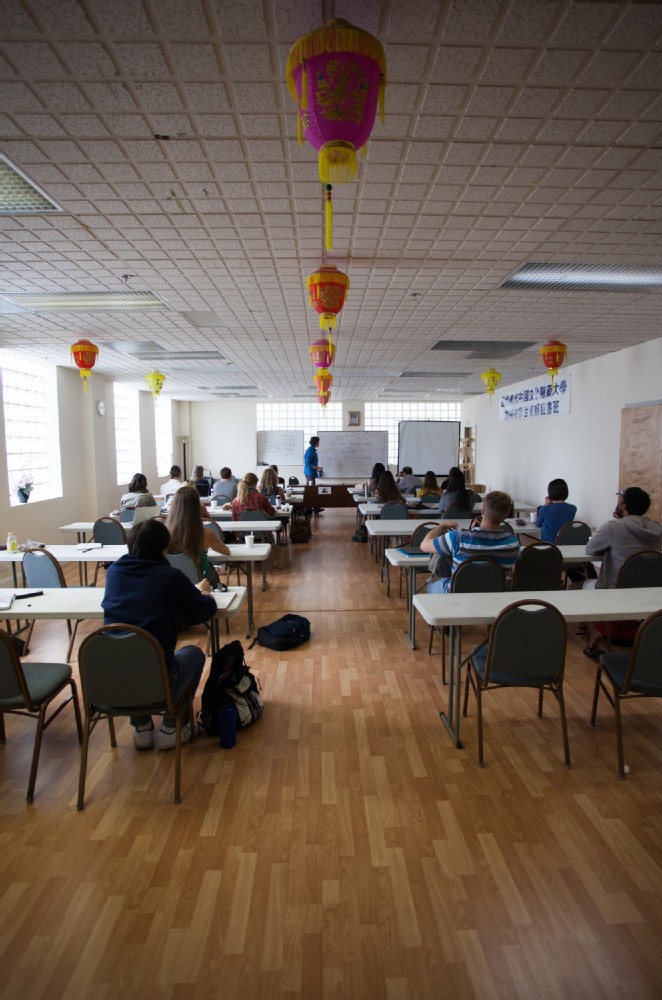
[6, 602]
[85, 546]
[224, 599]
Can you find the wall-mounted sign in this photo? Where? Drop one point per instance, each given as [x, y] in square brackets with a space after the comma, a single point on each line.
[538, 399]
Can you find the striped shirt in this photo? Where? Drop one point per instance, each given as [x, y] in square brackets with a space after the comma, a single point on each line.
[501, 544]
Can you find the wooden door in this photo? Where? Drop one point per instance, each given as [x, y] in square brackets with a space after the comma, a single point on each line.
[640, 461]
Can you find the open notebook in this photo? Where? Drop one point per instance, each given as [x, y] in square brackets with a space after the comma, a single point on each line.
[6, 602]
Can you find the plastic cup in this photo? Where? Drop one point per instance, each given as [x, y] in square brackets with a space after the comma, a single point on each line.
[532, 517]
[250, 541]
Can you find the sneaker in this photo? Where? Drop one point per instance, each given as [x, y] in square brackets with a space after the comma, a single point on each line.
[143, 736]
[166, 738]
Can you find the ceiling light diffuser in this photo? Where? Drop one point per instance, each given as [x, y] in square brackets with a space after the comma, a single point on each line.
[585, 277]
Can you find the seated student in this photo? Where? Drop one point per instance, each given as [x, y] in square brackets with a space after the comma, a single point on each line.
[281, 481]
[137, 491]
[555, 512]
[188, 533]
[429, 487]
[200, 481]
[387, 491]
[456, 493]
[628, 531]
[249, 498]
[143, 589]
[225, 488]
[378, 470]
[406, 481]
[173, 484]
[269, 486]
[491, 538]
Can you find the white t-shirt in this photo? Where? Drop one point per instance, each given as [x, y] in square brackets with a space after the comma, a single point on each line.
[170, 487]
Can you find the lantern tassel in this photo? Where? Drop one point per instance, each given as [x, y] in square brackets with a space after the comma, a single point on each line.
[304, 87]
[299, 129]
[380, 97]
[328, 215]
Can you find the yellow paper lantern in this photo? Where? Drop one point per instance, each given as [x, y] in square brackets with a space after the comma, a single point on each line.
[155, 381]
[490, 379]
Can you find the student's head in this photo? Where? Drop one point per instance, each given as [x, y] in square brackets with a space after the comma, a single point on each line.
[226, 472]
[314, 441]
[378, 471]
[185, 522]
[635, 500]
[248, 483]
[497, 506]
[175, 472]
[138, 484]
[387, 489]
[269, 481]
[149, 540]
[198, 474]
[557, 490]
[430, 480]
[145, 500]
[456, 482]
[406, 470]
[275, 468]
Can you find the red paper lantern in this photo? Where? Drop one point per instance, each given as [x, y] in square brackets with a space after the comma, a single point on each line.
[323, 398]
[337, 76]
[84, 354]
[552, 355]
[322, 353]
[327, 288]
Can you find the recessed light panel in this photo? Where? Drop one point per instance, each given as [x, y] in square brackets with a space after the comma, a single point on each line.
[84, 301]
[19, 195]
[585, 277]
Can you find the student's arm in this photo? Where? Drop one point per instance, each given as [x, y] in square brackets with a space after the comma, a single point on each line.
[599, 542]
[427, 545]
[192, 607]
[210, 540]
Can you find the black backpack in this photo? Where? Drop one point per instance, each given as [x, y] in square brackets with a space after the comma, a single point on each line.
[361, 533]
[285, 633]
[300, 530]
[230, 682]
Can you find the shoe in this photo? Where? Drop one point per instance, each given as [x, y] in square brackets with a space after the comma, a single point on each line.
[593, 651]
[166, 738]
[143, 736]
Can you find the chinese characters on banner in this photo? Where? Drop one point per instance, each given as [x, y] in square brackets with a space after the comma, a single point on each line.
[541, 399]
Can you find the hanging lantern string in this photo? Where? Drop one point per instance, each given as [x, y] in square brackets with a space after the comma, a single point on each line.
[328, 216]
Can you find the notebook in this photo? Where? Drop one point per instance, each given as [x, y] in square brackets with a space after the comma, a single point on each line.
[6, 602]
[411, 550]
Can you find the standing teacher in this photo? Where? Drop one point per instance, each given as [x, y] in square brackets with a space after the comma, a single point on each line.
[311, 467]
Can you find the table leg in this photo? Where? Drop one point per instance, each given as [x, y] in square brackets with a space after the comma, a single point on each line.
[249, 596]
[411, 631]
[451, 719]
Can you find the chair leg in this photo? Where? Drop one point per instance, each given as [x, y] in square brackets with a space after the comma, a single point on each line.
[541, 692]
[26, 648]
[74, 699]
[479, 715]
[619, 735]
[596, 695]
[111, 727]
[73, 637]
[80, 805]
[36, 751]
[432, 631]
[442, 640]
[3, 737]
[564, 726]
[178, 757]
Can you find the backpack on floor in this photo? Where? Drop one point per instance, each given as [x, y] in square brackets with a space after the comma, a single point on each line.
[300, 530]
[361, 533]
[230, 682]
[285, 633]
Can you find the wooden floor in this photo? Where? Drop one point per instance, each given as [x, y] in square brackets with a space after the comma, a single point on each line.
[344, 848]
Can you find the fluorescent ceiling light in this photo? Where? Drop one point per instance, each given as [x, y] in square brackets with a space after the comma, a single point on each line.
[585, 277]
[19, 195]
[84, 301]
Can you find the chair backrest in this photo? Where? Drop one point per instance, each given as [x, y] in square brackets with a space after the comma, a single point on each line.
[12, 680]
[420, 531]
[641, 569]
[527, 644]
[255, 515]
[645, 666]
[123, 670]
[41, 569]
[573, 533]
[184, 563]
[214, 527]
[126, 516]
[429, 498]
[293, 481]
[394, 511]
[203, 488]
[108, 531]
[457, 514]
[478, 575]
[539, 567]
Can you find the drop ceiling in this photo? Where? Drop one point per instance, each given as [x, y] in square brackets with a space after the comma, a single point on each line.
[516, 132]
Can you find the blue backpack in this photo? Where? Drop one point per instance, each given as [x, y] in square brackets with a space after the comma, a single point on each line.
[285, 633]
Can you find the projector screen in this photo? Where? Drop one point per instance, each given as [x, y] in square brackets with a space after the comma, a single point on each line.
[428, 444]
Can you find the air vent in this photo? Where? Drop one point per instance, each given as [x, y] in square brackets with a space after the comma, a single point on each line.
[585, 277]
[21, 196]
[484, 349]
[180, 356]
[84, 301]
[435, 375]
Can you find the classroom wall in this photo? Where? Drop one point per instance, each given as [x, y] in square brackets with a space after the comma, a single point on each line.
[521, 456]
[223, 432]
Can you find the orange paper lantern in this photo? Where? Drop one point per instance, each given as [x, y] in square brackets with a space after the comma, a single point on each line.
[327, 288]
[323, 398]
[552, 355]
[323, 380]
[84, 354]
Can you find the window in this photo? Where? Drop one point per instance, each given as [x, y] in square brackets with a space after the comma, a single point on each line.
[386, 416]
[127, 433]
[309, 417]
[163, 434]
[32, 431]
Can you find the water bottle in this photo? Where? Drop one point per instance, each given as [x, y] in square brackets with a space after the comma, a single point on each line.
[277, 503]
[227, 726]
[12, 543]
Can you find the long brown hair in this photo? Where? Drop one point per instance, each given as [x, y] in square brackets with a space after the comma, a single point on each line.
[269, 481]
[185, 523]
[387, 491]
[248, 483]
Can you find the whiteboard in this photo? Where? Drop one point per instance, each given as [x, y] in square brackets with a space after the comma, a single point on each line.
[351, 454]
[428, 444]
[280, 447]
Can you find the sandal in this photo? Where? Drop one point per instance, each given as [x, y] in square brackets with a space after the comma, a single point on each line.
[593, 651]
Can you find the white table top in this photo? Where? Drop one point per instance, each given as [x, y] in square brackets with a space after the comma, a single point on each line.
[574, 605]
[218, 514]
[85, 603]
[240, 552]
[71, 553]
[405, 527]
[570, 553]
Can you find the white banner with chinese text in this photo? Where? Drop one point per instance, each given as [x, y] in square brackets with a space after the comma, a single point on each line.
[539, 399]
